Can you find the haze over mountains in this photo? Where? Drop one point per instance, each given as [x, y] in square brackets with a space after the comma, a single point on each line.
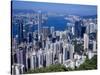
[81, 10]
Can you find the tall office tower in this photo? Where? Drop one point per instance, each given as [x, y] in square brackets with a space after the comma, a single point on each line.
[20, 31]
[44, 58]
[33, 40]
[83, 31]
[53, 48]
[73, 30]
[21, 50]
[19, 57]
[43, 41]
[26, 59]
[46, 32]
[14, 43]
[65, 54]
[92, 27]
[63, 35]
[58, 35]
[13, 51]
[29, 37]
[16, 37]
[61, 46]
[87, 28]
[49, 58]
[28, 63]
[60, 58]
[86, 41]
[39, 23]
[48, 51]
[94, 46]
[24, 51]
[17, 69]
[24, 33]
[71, 51]
[47, 44]
[54, 52]
[77, 29]
[69, 27]
[33, 59]
[57, 48]
[40, 58]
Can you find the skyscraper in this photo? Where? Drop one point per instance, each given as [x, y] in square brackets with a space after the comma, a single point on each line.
[71, 51]
[83, 31]
[39, 22]
[92, 27]
[94, 45]
[40, 58]
[73, 30]
[65, 54]
[45, 32]
[20, 31]
[86, 41]
[77, 29]
[49, 58]
[60, 58]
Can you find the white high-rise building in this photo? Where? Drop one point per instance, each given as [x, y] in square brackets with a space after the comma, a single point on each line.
[32, 64]
[33, 59]
[94, 46]
[73, 31]
[40, 58]
[71, 51]
[86, 41]
[60, 58]
[21, 57]
[92, 27]
[65, 52]
[17, 69]
[87, 28]
[49, 58]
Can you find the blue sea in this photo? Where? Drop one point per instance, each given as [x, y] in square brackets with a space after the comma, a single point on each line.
[57, 21]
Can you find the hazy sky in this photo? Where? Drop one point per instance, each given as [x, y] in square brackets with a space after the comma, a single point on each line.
[54, 7]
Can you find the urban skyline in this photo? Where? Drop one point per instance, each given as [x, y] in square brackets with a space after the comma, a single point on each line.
[38, 43]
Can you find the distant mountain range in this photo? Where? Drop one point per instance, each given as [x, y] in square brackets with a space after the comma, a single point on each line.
[70, 9]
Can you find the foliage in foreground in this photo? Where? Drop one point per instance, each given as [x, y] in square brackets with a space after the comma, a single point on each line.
[51, 68]
[87, 65]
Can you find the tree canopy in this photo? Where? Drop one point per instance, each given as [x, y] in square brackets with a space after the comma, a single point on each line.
[87, 65]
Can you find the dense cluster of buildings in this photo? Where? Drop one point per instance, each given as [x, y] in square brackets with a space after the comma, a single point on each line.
[46, 46]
